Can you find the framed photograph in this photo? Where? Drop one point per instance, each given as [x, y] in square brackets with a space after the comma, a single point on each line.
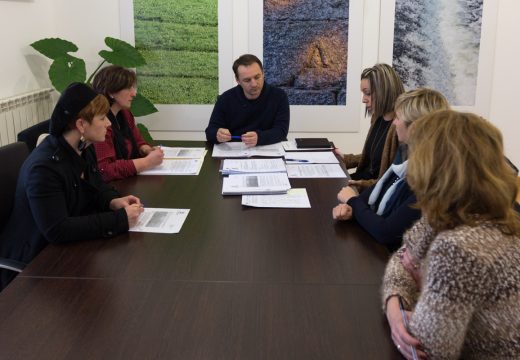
[241, 30]
[445, 45]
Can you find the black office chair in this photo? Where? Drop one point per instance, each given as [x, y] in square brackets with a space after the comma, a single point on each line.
[12, 157]
[31, 134]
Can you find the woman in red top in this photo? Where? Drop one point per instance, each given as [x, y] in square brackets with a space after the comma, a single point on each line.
[124, 152]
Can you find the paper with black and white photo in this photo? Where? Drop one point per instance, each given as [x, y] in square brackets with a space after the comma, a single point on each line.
[269, 183]
[157, 220]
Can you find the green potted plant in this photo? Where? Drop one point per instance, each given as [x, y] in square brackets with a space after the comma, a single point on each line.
[66, 68]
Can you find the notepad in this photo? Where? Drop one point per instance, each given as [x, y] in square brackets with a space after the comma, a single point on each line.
[303, 143]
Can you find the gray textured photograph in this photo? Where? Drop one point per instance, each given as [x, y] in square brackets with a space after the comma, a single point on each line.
[305, 49]
[436, 45]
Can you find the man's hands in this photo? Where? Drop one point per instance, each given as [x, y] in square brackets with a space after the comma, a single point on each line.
[223, 135]
[250, 138]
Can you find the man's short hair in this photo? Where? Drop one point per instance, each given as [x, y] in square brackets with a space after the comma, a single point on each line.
[246, 60]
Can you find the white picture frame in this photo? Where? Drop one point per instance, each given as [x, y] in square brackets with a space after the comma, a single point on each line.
[482, 105]
[244, 34]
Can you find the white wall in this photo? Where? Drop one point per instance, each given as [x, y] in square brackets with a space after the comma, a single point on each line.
[506, 78]
[21, 23]
[87, 23]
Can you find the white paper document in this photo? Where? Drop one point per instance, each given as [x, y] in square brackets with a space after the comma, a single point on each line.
[176, 167]
[239, 149]
[290, 145]
[315, 171]
[156, 220]
[269, 183]
[295, 198]
[251, 166]
[312, 157]
[183, 152]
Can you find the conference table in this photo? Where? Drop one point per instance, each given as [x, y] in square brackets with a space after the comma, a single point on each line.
[234, 283]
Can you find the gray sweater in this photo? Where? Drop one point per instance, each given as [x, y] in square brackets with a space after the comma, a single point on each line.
[469, 304]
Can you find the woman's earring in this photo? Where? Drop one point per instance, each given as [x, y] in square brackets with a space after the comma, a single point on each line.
[82, 143]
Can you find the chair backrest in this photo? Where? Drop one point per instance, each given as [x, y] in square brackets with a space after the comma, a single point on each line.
[12, 157]
[31, 134]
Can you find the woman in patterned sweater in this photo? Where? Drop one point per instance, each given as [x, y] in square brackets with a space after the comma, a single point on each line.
[458, 271]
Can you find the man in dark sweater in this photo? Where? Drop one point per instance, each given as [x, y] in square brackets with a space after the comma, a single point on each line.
[253, 111]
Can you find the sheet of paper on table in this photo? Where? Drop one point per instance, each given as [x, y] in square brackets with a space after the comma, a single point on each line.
[267, 183]
[312, 157]
[176, 167]
[315, 171]
[157, 220]
[183, 152]
[295, 198]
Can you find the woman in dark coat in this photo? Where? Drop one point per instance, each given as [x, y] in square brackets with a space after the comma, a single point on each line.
[60, 196]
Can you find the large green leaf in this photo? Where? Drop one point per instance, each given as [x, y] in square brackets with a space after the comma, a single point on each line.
[66, 70]
[54, 48]
[145, 133]
[123, 54]
[141, 106]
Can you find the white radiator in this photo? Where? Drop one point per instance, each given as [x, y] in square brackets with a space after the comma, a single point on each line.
[22, 111]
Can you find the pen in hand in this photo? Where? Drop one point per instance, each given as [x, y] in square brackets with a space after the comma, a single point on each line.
[236, 137]
[405, 320]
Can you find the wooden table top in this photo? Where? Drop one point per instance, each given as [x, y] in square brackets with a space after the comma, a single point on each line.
[235, 283]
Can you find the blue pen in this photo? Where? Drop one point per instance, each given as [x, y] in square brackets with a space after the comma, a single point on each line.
[236, 137]
[405, 320]
[297, 160]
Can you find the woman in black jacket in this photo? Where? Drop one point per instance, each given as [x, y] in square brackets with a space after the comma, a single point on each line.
[60, 196]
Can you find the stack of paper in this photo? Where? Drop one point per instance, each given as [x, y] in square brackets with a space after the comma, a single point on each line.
[266, 183]
[251, 166]
[239, 149]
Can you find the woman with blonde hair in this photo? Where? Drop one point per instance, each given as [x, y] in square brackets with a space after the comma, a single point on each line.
[458, 269]
[384, 210]
[380, 86]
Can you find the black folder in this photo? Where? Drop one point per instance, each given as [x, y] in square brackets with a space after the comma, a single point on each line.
[309, 143]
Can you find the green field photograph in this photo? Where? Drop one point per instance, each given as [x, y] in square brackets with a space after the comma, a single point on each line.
[179, 40]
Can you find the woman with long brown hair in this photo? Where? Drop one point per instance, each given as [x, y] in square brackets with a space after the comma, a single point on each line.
[380, 87]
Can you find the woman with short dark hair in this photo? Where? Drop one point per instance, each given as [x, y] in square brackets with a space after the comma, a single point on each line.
[60, 196]
[124, 152]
